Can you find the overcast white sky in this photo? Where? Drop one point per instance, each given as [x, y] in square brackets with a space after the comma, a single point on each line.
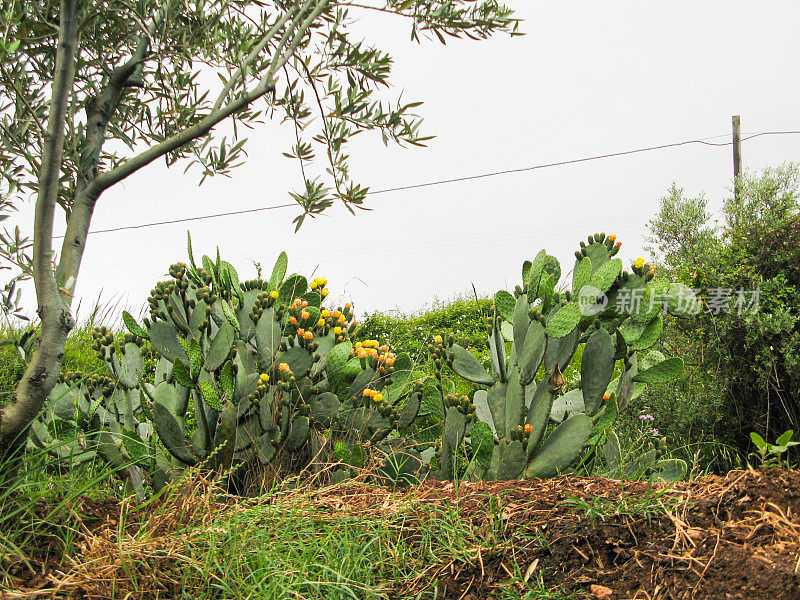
[588, 78]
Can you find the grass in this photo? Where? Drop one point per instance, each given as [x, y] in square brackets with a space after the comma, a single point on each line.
[193, 541]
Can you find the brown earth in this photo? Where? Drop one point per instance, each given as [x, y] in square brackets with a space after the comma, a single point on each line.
[714, 538]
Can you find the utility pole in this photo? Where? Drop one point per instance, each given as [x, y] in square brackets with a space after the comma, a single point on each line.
[737, 155]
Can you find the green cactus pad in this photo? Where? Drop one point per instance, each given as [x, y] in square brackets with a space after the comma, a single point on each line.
[572, 402]
[581, 275]
[265, 451]
[228, 313]
[324, 406]
[401, 375]
[515, 402]
[650, 334]
[132, 325]
[663, 372]
[552, 266]
[468, 367]
[362, 381]
[564, 321]
[559, 351]
[220, 347]
[598, 253]
[562, 447]
[604, 423]
[294, 287]
[606, 274]
[481, 441]
[651, 358]
[131, 364]
[540, 403]
[597, 369]
[533, 352]
[338, 357]
[278, 271]
[505, 303]
[164, 339]
[482, 412]
[512, 460]
[521, 322]
[631, 330]
[197, 317]
[299, 360]
[210, 395]
[496, 399]
[409, 411]
[621, 299]
[547, 287]
[225, 437]
[298, 434]
[535, 274]
[171, 434]
[268, 338]
[626, 385]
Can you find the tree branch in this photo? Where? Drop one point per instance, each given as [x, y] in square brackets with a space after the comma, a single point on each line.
[255, 52]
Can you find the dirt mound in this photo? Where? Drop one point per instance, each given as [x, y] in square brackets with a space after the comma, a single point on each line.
[732, 537]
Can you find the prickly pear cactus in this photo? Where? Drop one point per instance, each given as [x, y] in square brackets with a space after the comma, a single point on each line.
[536, 424]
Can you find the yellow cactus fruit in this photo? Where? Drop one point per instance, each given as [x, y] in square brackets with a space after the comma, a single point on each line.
[325, 313]
[378, 397]
[337, 330]
[358, 345]
[321, 323]
[273, 294]
[264, 377]
[613, 237]
[324, 292]
[313, 285]
[438, 339]
[639, 263]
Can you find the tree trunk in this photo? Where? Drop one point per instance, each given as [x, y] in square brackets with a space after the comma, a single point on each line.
[53, 304]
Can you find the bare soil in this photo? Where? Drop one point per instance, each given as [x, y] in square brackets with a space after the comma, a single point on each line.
[714, 538]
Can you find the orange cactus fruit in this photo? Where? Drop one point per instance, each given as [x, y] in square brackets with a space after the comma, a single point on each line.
[336, 314]
[293, 320]
[618, 244]
[305, 314]
[308, 335]
[613, 237]
[606, 396]
[652, 271]
[284, 367]
[528, 427]
[348, 306]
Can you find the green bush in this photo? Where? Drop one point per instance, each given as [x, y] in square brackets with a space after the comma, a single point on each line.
[744, 360]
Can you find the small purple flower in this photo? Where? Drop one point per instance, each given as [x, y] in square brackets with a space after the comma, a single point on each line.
[647, 417]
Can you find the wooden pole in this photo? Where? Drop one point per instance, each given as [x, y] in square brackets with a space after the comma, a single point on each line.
[737, 155]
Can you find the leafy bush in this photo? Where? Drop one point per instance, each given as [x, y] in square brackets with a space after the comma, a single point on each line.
[744, 347]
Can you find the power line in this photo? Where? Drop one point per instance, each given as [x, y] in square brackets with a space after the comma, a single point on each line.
[453, 180]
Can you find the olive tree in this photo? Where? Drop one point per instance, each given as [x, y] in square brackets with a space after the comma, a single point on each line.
[92, 91]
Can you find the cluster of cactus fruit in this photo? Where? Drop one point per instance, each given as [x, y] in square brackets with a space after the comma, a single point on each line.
[224, 373]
